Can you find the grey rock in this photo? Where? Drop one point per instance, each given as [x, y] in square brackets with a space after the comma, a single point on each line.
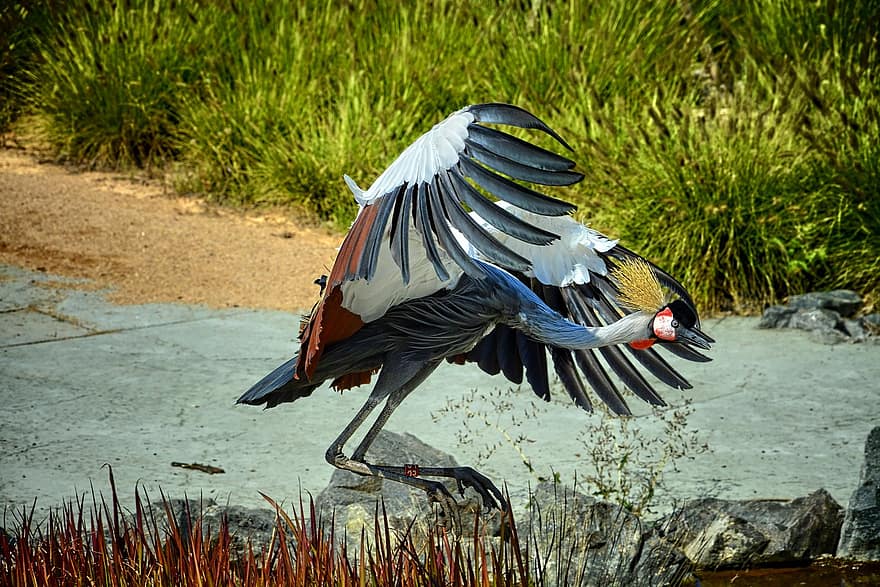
[829, 336]
[776, 317]
[353, 502]
[855, 329]
[824, 320]
[843, 301]
[825, 315]
[720, 534]
[575, 539]
[871, 323]
[824, 326]
[860, 535]
[248, 527]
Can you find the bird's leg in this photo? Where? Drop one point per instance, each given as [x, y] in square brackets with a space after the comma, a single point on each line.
[394, 400]
[396, 381]
[335, 449]
[397, 378]
[464, 476]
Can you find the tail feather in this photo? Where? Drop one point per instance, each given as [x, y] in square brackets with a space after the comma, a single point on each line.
[278, 387]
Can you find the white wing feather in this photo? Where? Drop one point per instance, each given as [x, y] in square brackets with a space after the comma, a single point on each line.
[372, 299]
[434, 151]
[570, 259]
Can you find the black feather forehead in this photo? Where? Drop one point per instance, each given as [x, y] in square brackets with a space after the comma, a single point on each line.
[683, 313]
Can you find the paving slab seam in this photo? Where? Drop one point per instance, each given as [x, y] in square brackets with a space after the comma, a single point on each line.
[61, 338]
[102, 332]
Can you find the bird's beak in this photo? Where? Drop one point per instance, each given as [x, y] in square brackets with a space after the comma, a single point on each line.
[695, 337]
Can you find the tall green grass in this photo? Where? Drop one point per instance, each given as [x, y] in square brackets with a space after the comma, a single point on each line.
[841, 126]
[721, 192]
[735, 144]
[113, 77]
[322, 95]
[22, 23]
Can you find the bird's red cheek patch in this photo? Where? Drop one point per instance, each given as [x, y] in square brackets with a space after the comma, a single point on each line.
[663, 327]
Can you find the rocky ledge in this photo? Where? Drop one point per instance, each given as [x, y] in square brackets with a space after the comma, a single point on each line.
[574, 539]
[860, 535]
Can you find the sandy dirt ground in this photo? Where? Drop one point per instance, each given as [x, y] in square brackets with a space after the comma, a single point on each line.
[151, 246]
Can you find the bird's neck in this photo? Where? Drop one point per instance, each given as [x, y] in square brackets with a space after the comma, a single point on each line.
[630, 328]
[520, 308]
[554, 330]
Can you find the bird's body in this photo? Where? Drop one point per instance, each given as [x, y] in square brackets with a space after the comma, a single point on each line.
[419, 280]
[447, 324]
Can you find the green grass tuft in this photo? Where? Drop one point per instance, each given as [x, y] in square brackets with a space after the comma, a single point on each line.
[112, 79]
[717, 194]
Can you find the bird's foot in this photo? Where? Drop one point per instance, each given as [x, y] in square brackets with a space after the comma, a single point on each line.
[492, 497]
[409, 475]
[464, 477]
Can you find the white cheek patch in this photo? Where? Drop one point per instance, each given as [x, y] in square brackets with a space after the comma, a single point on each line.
[663, 328]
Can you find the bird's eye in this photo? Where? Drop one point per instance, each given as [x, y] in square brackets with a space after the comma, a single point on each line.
[675, 323]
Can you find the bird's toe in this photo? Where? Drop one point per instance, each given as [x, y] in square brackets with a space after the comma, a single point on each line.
[490, 494]
[449, 516]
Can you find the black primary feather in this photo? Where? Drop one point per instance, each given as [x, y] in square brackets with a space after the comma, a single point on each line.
[499, 142]
[510, 191]
[496, 113]
[421, 204]
[483, 241]
[496, 215]
[518, 170]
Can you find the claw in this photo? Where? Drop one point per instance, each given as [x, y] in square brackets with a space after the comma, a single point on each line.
[490, 494]
[449, 513]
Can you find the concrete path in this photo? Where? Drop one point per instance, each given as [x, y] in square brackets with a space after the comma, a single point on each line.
[84, 383]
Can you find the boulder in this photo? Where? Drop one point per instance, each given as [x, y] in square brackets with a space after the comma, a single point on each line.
[871, 323]
[827, 316]
[725, 534]
[575, 539]
[829, 336]
[855, 329]
[815, 320]
[777, 317]
[824, 326]
[860, 535]
[570, 538]
[353, 502]
[842, 301]
[247, 526]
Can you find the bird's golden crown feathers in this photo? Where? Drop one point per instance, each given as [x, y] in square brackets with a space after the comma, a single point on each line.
[638, 286]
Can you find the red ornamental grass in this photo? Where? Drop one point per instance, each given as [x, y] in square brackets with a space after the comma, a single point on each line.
[99, 543]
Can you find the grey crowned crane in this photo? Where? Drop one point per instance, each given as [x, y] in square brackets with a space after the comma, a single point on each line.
[419, 279]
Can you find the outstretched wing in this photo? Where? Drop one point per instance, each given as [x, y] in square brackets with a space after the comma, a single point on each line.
[427, 187]
[414, 235]
[571, 276]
